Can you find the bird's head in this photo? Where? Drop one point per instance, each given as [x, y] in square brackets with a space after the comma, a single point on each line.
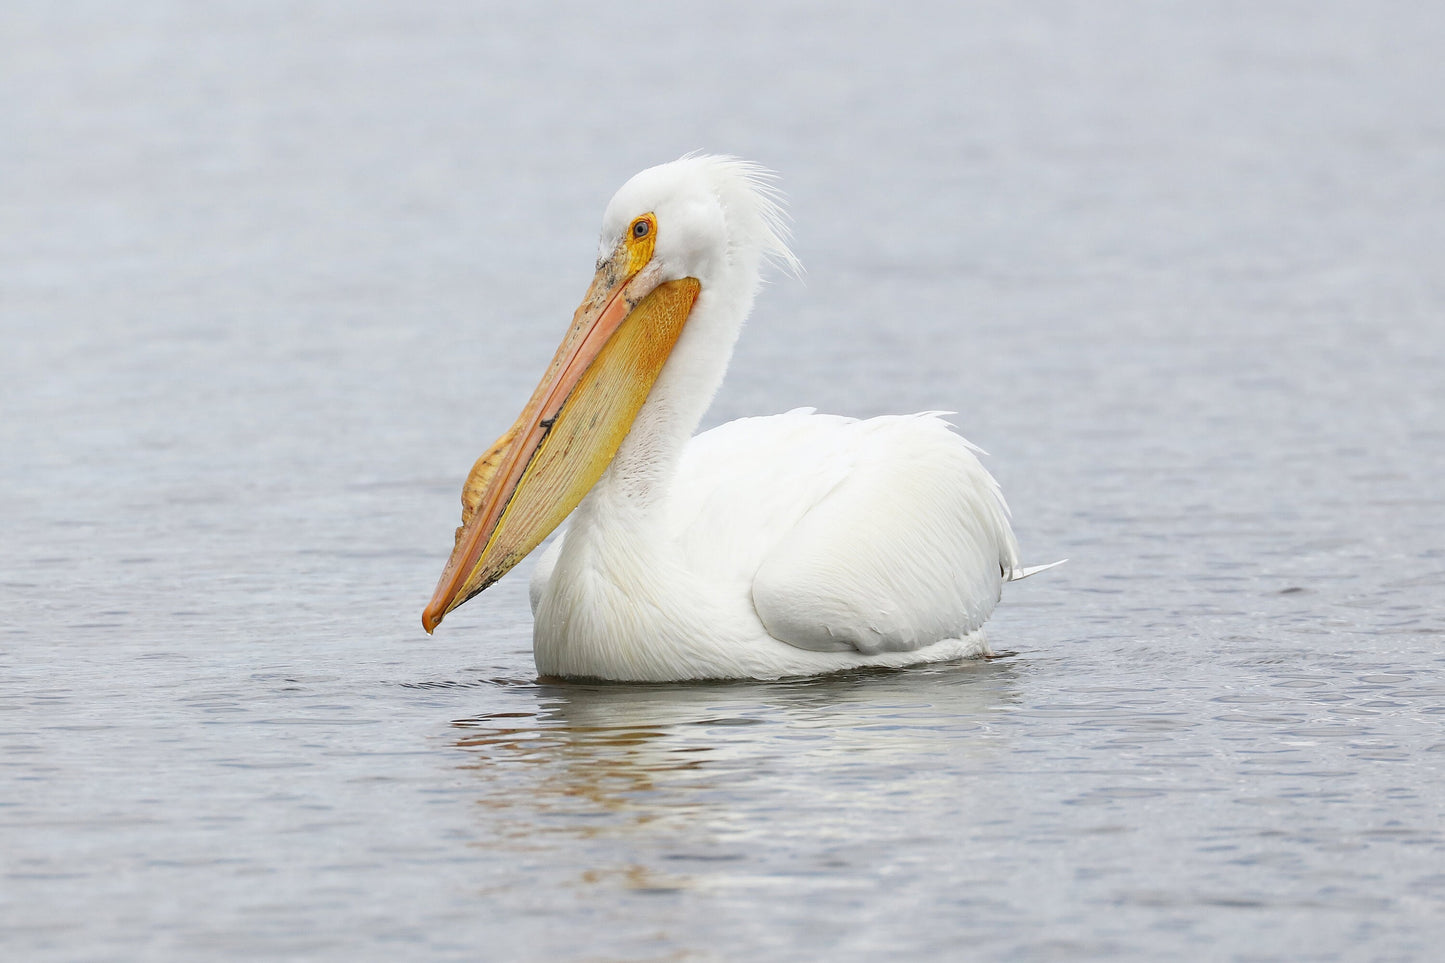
[705, 217]
[699, 227]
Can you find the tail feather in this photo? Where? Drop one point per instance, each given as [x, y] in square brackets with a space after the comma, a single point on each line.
[1019, 573]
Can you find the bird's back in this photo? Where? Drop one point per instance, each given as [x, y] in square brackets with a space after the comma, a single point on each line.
[878, 535]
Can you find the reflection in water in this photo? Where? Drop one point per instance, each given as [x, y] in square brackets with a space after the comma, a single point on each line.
[681, 775]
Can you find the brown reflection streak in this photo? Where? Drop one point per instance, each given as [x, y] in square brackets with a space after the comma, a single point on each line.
[604, 780]
[585, 781]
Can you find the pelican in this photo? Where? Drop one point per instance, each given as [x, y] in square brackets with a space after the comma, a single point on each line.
[770, 547]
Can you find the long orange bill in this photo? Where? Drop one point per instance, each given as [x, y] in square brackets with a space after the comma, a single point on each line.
[531, 479]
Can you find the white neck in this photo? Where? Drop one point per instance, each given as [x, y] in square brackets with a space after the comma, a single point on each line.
[637, 482]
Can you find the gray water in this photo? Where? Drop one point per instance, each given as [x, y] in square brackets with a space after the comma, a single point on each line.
[272, 275]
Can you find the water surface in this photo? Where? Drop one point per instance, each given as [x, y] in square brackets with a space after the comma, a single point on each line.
[270, 278]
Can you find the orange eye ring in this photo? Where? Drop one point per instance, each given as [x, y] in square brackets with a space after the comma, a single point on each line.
[640, 240]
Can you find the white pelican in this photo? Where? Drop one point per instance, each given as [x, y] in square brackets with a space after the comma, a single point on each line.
[768, 547]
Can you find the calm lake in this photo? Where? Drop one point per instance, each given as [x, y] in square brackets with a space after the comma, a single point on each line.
[271, 276]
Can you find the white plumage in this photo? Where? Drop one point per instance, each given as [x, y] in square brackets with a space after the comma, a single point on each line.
[791, 545]
[768, 547]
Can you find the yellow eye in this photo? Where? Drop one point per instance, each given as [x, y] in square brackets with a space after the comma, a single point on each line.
[641, 238]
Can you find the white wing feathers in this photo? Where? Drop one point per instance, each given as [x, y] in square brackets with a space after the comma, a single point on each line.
[897, 539]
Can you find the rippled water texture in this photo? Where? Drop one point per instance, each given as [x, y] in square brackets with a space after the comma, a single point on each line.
[271, 276]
